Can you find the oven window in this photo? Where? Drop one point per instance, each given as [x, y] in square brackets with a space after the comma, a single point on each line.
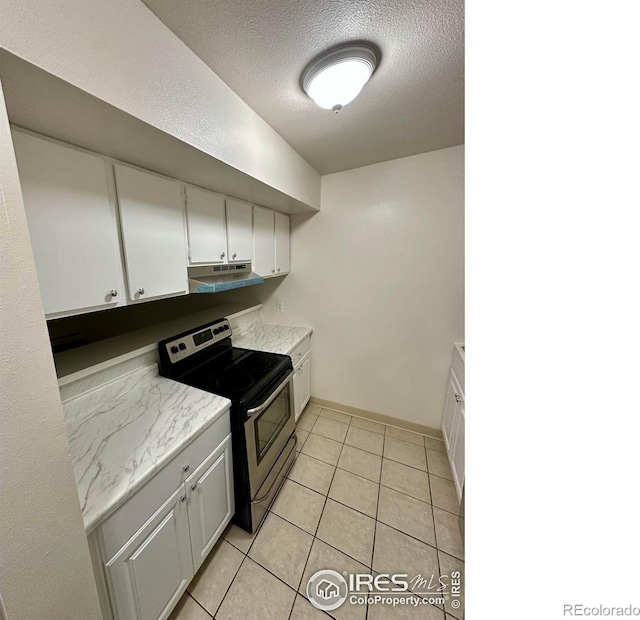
[271, 421]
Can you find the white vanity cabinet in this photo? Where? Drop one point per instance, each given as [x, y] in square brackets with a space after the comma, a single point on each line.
[72, 219]
[301, 357]
[453, 419]
[153, 234]
[146, 553]
[271, 242]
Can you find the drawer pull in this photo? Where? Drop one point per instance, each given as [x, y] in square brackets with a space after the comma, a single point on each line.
[186, 468]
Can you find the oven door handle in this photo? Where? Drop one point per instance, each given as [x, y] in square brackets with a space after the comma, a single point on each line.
[271, 398]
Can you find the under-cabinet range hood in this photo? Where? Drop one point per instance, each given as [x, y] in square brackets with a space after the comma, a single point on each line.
[220, 278]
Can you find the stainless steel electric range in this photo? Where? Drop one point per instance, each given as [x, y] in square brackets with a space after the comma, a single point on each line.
[259, 386]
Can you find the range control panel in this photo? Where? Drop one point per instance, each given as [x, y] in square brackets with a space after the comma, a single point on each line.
[195, 341]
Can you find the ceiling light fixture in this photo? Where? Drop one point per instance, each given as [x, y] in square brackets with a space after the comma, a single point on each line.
[336, 77]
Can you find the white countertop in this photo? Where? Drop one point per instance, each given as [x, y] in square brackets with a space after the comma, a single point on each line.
[265, 337]
[123, 432]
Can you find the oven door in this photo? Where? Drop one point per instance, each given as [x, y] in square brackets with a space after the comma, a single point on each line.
[267, 430]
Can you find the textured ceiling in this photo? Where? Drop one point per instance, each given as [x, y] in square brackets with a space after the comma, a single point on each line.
[413, 103]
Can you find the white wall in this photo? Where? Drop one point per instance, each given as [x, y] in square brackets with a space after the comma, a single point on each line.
[120, 52]
[379, 274]
[45, 570]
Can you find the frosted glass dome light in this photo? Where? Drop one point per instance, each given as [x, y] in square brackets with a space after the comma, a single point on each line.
[336, 78]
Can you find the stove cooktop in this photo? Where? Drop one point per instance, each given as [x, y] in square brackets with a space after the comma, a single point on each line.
[204, 358]
[241, 375]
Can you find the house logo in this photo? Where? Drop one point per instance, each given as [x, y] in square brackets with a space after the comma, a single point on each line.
[327, 590]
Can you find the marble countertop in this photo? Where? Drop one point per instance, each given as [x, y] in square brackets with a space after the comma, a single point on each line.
[265, 337]
[123, 432]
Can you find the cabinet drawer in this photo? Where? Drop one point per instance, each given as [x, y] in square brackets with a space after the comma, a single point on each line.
[298, 353]
[133, 514]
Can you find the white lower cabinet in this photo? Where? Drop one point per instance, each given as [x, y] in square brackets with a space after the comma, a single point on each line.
[458, 452]
[147, 575]
[453, 421]
[210, 501]
[301, 358]
[302, 384]
[150, 573]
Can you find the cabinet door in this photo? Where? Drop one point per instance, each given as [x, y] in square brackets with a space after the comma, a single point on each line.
[449, 415]
[152, 216]
[239, 237]
[150, 573]
[73, 226]
[206, 227]
[283, 251]
[264, 249]
[211, 501]
[302, 385]
[457, 459]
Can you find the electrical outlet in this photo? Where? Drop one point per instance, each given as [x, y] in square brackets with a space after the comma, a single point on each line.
[280, 306]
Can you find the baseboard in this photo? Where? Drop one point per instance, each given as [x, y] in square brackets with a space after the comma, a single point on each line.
[436, 433]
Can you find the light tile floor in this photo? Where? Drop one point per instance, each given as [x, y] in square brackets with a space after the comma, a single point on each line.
[361, 497]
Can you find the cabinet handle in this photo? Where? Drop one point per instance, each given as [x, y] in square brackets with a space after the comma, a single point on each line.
[273, 271]
[113, 293]
[141, 291]
[194, 486]
[222, 255]
[183, 498]
[186, 468]
[234, 255]
[278, 269]
[458, 399]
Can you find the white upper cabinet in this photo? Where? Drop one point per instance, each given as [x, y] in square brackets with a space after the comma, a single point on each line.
[283, 251]
[153, 234]
[264, 248]
[73, 226]
[270, 242]
[206, 227]
[239, 235]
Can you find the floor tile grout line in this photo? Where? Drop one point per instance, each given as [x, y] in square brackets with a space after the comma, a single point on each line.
[304, 568]
[314, 538]
[247, 557]
[429, 473]
[375, 523]
[380, 485]
[229, 588]
[199, 604]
